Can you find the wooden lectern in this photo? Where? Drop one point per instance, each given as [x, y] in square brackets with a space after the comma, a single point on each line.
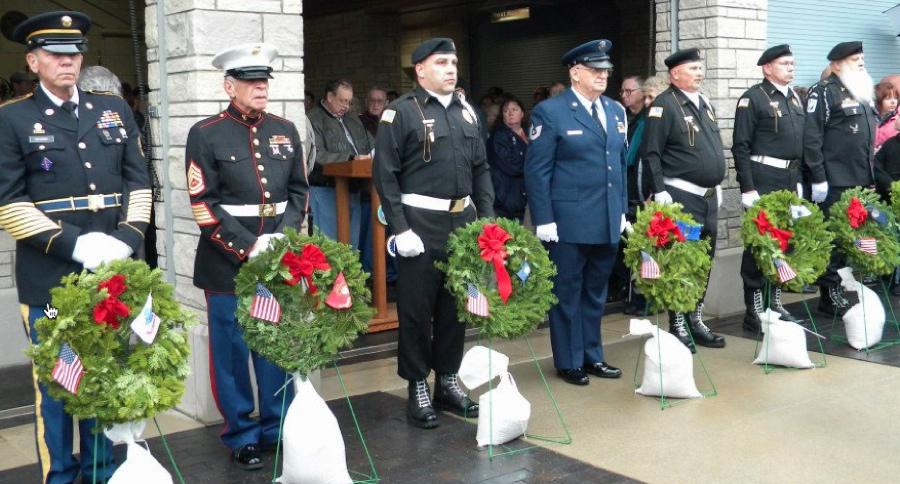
[385, 316]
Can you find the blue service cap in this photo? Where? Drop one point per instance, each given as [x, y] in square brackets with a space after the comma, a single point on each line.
[58, 32]
[593, 54]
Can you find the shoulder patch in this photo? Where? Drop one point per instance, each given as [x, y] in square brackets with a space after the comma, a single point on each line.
[811, 104]
[535, 132]
[656, 112]
[388, 116]
[743, 103]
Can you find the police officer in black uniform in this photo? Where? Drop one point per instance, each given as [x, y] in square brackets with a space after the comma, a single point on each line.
[431, 172]
[74, 193]
[247, 183]
[839, 147]
[767, 147]
[683, 151]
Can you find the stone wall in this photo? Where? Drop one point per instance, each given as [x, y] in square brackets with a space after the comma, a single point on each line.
[731, 35]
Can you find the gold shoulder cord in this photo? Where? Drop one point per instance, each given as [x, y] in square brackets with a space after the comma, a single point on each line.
[688, 121]
[773, 105]
[429, 133]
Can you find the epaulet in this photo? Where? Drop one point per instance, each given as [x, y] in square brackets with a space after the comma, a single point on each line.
[17, 99]
[103, 93]
[212, 120]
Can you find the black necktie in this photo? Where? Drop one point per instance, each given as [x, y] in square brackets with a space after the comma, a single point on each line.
[70, 107]
[594, 114]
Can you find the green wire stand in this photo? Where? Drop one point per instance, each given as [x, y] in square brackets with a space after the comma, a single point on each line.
[358, 477]
[664, 401]
[767, 368]
[507, 449]
[885, 342]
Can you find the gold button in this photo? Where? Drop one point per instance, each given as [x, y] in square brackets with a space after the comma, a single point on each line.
[218, 236]
[118, 140]
[263, 180]
[232, 158]
[253, 129]
[42, 147]
[221, 115]
[241, 251]
[87, 164]
[267, 195]
[256, 142]
[92, 187]
[230, 244]
[257, 155]
[81, 145]
[260, 168]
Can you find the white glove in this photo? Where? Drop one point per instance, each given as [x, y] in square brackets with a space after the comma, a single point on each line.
[89, 249]
[625, 226]
[114, 249]
[547, 232]
[749, 198]
[718, 196]
[800, 190]
[263, 243]
[663, 197]
[819, 192]
[409, 244]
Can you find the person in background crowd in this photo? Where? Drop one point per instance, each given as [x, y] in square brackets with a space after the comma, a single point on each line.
[894, 79]
[492, 114]
[886, 104]
[557, 88]
[632, 97]
[839, 141]
[376, 101]
[99, 78]
[802, 93]
[22, 83]
[540, 93]
[506, 156]
[309, 100]
[392, 95]
[887, 171]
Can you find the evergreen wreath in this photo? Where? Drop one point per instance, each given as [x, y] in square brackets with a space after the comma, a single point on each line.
[506, 264]
[860, 215]
[124, 378]
[895, 198]
[803, 243]
[300, 271]
[683, 265]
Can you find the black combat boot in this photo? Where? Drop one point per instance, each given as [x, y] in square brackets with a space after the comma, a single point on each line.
[701, 333]
[754, 301]
[419, 411]
[678, 327]
[779, 308]
[832, 301]
[448, 396]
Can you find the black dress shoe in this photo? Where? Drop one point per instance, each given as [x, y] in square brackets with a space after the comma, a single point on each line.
[419, 411]
[603, 370]
[575, 376]
[448, 396]
[832, 301]
[752, 322]
[247, 457]
[701, 333]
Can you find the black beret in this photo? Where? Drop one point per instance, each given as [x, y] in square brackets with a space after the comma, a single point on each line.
[57, 32]
[438, 45]
[773, 53]
[844, 50]
[683, 56]
[593, 54]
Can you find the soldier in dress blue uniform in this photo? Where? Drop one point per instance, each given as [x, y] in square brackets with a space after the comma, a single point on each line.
[247, 182]
[575, 181]
[74, 193]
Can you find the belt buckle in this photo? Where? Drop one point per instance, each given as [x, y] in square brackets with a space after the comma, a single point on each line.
[96, 203]
[710, 192]
[458, 205]
[267, 210]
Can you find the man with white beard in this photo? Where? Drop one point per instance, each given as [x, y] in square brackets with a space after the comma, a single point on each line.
[838, 147]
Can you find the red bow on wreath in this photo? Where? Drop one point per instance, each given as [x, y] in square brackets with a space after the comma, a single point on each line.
[492, 243]
[856, 213]
[109, 310]
[302, 266]
[662, 227]
[763, 225]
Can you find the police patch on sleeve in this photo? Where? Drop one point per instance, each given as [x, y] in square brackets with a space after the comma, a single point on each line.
[535, 132]
[811, 105]
[743, 103]
[656, 112]
[388, 116]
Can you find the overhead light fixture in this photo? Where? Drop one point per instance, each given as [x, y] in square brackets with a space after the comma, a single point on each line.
[511, 15]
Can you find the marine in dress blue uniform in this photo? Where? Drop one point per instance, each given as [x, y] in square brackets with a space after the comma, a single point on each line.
[575, 183]
[74, 193]
[247, 182]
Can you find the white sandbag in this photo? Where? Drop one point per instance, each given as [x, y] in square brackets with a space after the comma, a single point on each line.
[784, 343]
[508, 409]
[664, 355]
[864, 321]
[139, 467]
[474, 372]
[313, 444]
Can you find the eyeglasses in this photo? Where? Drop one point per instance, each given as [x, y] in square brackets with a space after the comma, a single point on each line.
[627, 92]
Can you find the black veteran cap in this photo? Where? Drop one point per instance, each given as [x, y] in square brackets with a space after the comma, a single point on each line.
[247, 61]
[437, 45]
[57, 32]
[773, 53]
[844, 50]
[682, 56]
[593, 54]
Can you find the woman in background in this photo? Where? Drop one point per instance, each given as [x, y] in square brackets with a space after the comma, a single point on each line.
[506, 154]
[886, 104]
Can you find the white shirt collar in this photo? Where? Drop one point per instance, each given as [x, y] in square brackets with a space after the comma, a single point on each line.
[693, 96]
[783, 89]
[587, 105]
[444, 99]
[57, 101]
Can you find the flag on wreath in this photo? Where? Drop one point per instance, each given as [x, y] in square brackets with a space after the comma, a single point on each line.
[339, 298]
[785, 272]
[68, 370]
[868, 245]
[476, 302]
[649, 267]
[264, 305]
[524, 271]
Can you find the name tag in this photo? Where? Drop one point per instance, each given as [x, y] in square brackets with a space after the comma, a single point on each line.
[48, 138]
[574, 132]
[849, 103]
[620, 127]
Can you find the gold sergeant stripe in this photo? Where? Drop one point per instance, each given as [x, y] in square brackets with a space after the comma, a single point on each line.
[52, 31]
[202, 215]
[23, 220]
[139, 204]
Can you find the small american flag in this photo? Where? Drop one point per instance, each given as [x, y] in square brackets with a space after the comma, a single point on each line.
[68, 370]
[264, 305]
[867, 245]
[649, 267]
[785, 272]
[476, 303]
